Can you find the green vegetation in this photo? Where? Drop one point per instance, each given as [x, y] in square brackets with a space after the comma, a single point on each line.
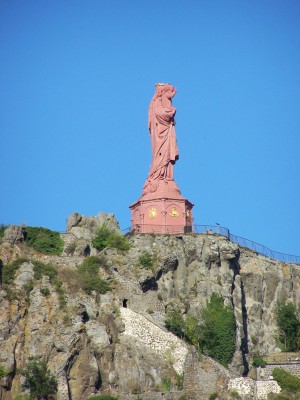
[213, 396]
[146, 260]
[3, 372]
[45, 292]
[88, 276]
[39, 380]
[179, 381]
[44, 240]
[213, 332]
[40, 269]
[289, 326]
[9, 270]
[2, 229]
[286, 381]
[258, 361]
[166, 384]
[217, 333]
[103, 397]
[108, 238]
[175, 322]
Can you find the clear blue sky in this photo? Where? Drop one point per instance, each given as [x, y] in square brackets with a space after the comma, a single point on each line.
[76, 81]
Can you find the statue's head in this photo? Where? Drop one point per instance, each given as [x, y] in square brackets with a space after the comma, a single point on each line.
[165, 88]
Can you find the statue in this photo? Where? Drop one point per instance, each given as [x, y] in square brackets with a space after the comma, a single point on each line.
[163, 139]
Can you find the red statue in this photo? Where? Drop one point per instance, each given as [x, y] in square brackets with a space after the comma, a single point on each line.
[163, 139]
[162, 209]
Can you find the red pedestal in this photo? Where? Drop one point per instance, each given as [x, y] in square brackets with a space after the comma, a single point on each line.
[164, 211]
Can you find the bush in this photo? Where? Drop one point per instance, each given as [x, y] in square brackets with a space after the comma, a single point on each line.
[146, 260]
[213, 396]
[3, 372]
[108, 238]
[258, 361]
[40, 269]
[103, 397]
[166, 384]
[217, 333]
[175, 322]
[88, 276]
[39, 380]
[44, 240]
[2, 229]
[289, 326]
[9, 270]
[286, 381]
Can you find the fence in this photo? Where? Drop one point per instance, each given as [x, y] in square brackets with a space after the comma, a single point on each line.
[220, 230]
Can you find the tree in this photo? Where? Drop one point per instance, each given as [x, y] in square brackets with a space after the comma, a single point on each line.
[39, 380]
[217, 330]
[289, 326]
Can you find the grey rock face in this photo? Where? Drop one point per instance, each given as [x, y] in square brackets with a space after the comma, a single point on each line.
[14, 234]
[88, 344]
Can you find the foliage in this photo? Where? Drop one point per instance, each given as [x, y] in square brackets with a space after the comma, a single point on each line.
[88, 276]
[213, 396]
[44, 240]
[2, 229]
[192, 329]
[286, 381]
[217, 333]
[175, 322]
[146, 260]
[3, 372]
[9, 270]
[103, 397]
[289, 326]
[45, 292]
[166, 384]
[179, 381]
[258, 361]
[40, 269]
[39, 380]
[108, 238]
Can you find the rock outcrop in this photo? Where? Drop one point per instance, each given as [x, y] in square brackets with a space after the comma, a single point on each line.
[117, 342]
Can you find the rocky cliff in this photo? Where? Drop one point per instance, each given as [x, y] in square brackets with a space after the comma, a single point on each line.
[117, 342]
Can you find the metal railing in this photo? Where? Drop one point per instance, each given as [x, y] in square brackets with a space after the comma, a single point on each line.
[219, 230]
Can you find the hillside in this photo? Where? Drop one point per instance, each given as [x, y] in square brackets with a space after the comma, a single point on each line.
[115, 340]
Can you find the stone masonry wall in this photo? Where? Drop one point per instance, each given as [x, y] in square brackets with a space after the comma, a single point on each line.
[162, 342]
[266, 372]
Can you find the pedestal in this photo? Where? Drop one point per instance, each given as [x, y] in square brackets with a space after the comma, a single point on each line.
[164, 211]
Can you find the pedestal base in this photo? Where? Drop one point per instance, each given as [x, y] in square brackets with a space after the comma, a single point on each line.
[169, 214]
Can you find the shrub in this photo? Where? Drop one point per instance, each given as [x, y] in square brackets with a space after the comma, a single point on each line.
[88, 276]
[289, 326]
[175, 322]
[213, 396]
[286, 381]
[146, 260]
[258, 361]
[3, 372]
[44, 240]
[108, 238]
[217, 333]
[39, 380]
[166, 384]
[2, 229]
[45, 292]
[9, 270]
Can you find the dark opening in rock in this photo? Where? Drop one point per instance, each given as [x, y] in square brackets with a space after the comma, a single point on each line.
[125, 303]
[84, 317]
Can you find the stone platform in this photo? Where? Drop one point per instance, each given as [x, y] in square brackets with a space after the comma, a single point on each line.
[164, 211]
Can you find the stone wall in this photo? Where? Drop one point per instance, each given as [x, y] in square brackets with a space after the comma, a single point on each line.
[266, 372]
[250, 389]
[164, 343]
